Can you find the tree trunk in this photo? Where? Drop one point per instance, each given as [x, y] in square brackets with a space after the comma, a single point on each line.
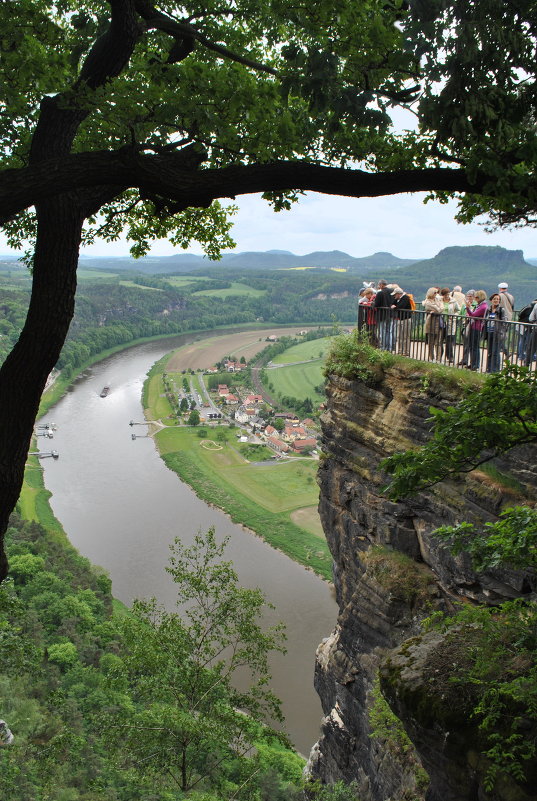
[25, 371]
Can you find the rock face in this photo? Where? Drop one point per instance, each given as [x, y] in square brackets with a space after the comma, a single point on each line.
[389, 573]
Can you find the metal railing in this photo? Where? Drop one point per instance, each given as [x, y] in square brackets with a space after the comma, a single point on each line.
[451, 339]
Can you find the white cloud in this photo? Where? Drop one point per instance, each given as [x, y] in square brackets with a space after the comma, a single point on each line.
[401, 224]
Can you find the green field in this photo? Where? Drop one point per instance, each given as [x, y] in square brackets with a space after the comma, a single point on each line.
[297, 381]
[312, 349]
[185, 280]
[261, 497]
[234, 289]
[85, 274]
[139, 286]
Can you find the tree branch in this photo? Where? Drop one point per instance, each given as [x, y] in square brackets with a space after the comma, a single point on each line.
[174, 177]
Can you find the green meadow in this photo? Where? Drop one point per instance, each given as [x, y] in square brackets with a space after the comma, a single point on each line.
[139, 286]
[185, 280]
[299, 380]
[263, 497]
[235, 289]
[312, 349]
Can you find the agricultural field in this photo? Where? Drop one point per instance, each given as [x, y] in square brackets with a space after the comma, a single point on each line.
[139, 286]
[183, 281]
[298, 371]
[313, 349]
[235, 289]
[86, 274]
[297, 381]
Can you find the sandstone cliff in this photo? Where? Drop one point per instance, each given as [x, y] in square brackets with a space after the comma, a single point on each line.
[389, 573]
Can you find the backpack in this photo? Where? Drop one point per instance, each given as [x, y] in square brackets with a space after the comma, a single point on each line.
[524, 314]
[412, 301]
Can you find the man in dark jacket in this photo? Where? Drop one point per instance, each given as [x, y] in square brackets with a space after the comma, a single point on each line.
[402, 311]
[383, 303]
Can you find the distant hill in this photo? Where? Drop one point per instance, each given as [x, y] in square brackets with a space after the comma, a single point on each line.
[476, 267]
[254, 260]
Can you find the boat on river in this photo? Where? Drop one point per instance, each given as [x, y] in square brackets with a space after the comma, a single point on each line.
[105, 390]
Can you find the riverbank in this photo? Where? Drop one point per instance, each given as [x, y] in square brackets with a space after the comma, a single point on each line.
[266, 498]
[279, 531]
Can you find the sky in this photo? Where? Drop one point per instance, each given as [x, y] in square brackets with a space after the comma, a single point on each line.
[400, 224]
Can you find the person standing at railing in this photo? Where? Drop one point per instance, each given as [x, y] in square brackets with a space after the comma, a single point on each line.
[458, 295]
[507, 302]
[382, 305]
[494, 333]
[524, 331]
[433, 324]
[451, 309]
[532, 337]
[476, 327]
[402, 309]
[465, 327]
[367, 315]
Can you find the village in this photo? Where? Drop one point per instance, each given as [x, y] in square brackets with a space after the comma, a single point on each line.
[237, 403]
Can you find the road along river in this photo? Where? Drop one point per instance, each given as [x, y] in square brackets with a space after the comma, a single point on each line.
[121, 507]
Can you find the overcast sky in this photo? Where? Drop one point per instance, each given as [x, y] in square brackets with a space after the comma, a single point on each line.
[401, 225]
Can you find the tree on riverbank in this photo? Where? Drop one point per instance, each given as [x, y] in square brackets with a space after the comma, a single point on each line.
[148, 116]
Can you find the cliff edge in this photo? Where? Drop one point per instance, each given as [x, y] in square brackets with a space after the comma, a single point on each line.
[389, 574]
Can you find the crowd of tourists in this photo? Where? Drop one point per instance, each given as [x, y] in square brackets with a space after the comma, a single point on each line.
[449, 325]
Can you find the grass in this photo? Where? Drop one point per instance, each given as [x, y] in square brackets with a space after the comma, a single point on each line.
[155, 399]
[298, 381]
[235, 289]
[312, 349]
[139, 286]
[185, 280]
[85, 274]
[261, 497]
[33, 503]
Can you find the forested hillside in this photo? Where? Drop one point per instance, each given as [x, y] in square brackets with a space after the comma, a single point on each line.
[111, 311]
[122, 705]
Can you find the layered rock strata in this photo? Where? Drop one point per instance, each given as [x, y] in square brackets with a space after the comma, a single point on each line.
[389, 572]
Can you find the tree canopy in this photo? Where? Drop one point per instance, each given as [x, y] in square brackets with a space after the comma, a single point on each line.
[131, 115]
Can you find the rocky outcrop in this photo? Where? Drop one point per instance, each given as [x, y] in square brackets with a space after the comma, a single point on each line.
[389, 572]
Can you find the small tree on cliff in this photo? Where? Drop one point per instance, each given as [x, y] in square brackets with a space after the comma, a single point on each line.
[488, 422]
[147, 113]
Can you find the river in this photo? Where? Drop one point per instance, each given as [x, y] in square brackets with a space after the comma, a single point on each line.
[121, 507]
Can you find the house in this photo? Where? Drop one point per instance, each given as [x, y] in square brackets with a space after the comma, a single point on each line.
[231, 400]
[253, 400]
[287, 416]
[271, 338]
[270, 431]
[232, 367]
[223, 390]
[304, 445]
[277, 445]
[293, 432]
[245, 415]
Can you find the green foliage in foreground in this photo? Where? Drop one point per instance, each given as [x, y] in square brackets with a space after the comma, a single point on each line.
[511, 540]
[351, 356]
[75, 679]
[489, 421]
[176, 673]
[497, 674]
